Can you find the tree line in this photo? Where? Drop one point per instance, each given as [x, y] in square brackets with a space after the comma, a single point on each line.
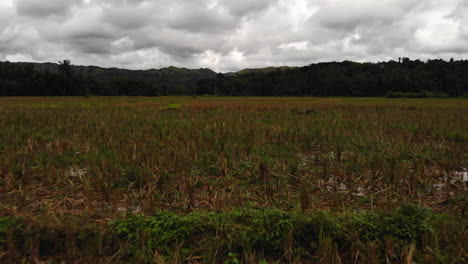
[403, 78]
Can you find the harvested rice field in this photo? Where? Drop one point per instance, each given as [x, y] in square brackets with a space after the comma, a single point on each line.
[233, 180]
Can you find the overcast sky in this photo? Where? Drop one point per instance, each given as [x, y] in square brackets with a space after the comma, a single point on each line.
[228, 35]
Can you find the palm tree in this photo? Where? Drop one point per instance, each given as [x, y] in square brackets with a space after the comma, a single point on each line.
[65, 68]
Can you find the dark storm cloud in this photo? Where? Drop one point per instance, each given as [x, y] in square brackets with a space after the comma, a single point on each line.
[347, 15]
[133, 15]
[201, 19]
[229, 35]
[35, 8]
[242, 8]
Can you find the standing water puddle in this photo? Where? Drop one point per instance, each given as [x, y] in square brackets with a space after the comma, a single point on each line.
[77, 172]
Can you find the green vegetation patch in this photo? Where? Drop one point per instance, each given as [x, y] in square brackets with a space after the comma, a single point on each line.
[171, 106]
[238, 235]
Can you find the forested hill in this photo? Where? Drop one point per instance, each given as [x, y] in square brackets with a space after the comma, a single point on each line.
[64, 79]
[403, 78]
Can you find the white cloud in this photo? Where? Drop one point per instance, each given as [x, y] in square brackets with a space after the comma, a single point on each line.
[302, 45]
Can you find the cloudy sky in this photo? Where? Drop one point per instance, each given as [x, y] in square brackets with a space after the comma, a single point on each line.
[228, 35]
